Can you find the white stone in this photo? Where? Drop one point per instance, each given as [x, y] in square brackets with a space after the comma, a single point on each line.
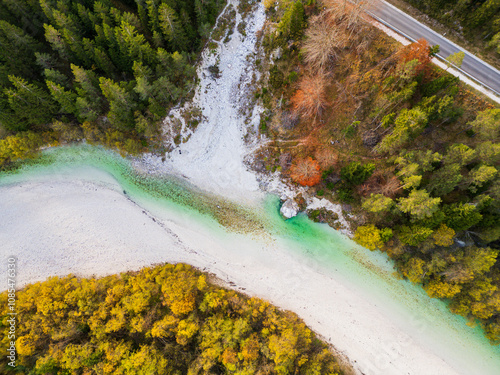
[289, 209]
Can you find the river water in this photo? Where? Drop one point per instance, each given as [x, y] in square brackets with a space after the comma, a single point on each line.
[318, 256]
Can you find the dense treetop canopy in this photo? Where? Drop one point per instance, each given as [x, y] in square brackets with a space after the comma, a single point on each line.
[104, 70]
[164, 320]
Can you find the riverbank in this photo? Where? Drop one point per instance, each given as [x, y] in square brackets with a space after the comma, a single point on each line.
[73, 218]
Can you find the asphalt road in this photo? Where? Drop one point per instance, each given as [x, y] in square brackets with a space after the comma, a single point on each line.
[479, 70]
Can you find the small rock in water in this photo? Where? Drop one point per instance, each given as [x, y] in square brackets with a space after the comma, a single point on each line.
[289, 209]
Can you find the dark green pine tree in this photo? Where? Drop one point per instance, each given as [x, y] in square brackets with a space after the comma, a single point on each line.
[143, 76]
[89, 103]
[172, 28]
[133, 44]
[31, 104]
[103, 62]
[293, 22]
[25, 14]
[121, 104]
[57, 42]
[65, 98]
[17, 52]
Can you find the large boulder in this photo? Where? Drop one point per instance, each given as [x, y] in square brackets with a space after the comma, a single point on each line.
[289, 209]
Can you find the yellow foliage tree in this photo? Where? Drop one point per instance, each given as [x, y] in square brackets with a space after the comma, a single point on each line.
[369, 236]
[439, 289]
[186, 329]
[25, 345]
[414, 270]
[443, 236]
[117, 325]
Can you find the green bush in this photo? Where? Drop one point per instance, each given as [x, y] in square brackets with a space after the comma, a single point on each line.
[355, 173]
[344, 194]
[293, 77]
[446, 81]
[276, 77]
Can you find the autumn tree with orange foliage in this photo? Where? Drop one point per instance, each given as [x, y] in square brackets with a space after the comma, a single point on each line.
[310, 99]
[418, 50]
[306, 172]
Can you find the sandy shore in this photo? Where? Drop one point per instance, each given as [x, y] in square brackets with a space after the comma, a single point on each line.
[56, 227]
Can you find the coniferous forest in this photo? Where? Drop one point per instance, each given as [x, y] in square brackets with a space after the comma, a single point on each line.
[107, 71]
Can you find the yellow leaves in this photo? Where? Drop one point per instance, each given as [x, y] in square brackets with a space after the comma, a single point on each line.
[137, 324]
[115, 351]
[164, 327]
[184, 305]
[250, 349]
[118, 320]
[487, 308]
[369, 236]
[186, 330]
[179, 289]
[25, 345]
[440, 289]
[137, 302]
[91, 132]
[283, 350]
[269, 3]
[214, 300]
[202, 283]
[148, 360]
[77, 355]
[229, 359]
[414, 270]
[115, 294]
[443, 236]
[21, 145]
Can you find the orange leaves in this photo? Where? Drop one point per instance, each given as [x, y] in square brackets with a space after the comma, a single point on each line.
[417, 51]
[310, 100]
[306, 172]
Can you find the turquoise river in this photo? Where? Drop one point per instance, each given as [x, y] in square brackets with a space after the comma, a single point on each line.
[321, 248]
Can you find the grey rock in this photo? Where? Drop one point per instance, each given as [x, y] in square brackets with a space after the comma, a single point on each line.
[285, 161]
[289, 209]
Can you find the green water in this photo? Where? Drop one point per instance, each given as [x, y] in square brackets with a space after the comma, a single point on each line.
[320, 247]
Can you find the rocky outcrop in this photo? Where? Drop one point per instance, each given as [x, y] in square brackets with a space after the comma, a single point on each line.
[289, 209]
